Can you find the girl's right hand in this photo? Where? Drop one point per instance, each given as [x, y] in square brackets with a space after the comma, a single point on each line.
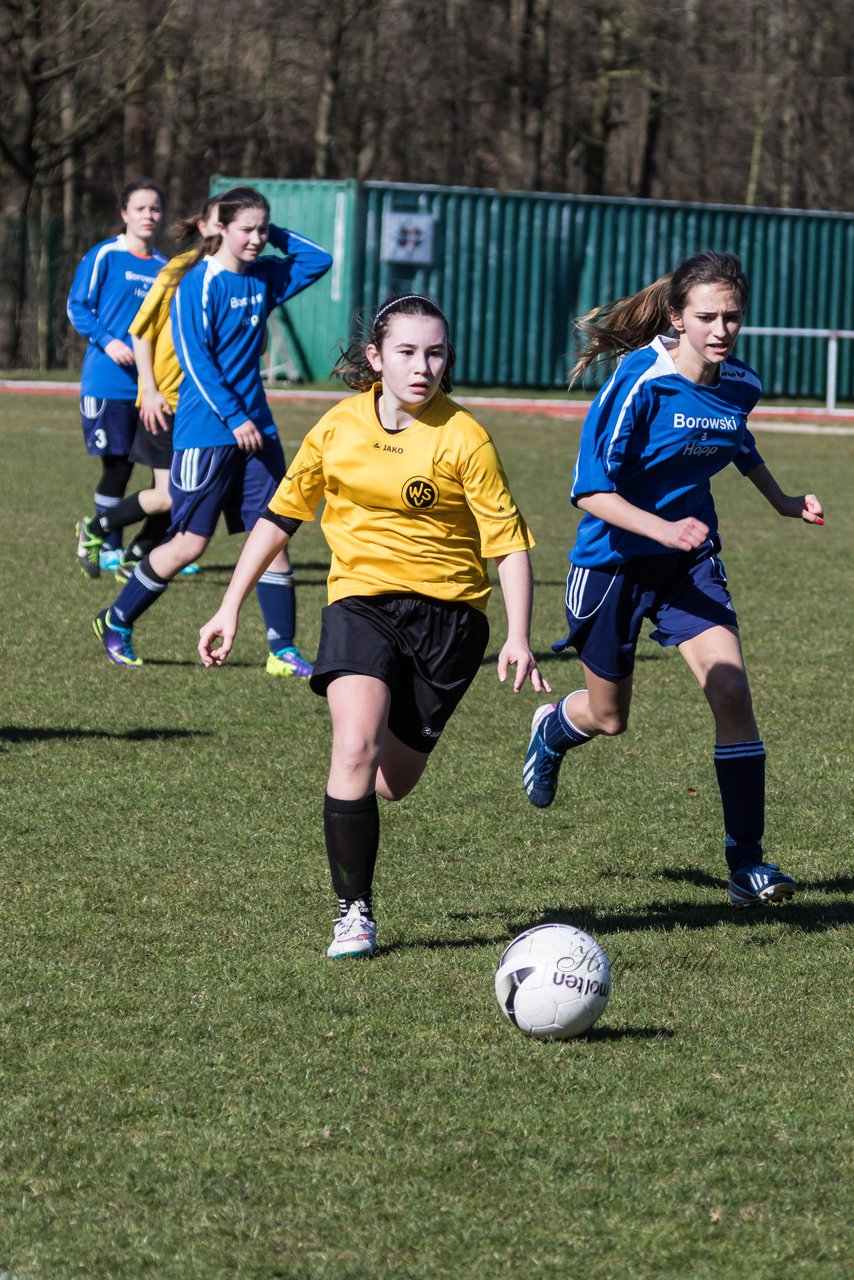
[247, 437]
[684, 535]
[154, 411]
[223, 627]
[120, 353]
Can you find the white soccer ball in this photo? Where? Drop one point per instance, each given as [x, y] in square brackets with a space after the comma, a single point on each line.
[553, 981]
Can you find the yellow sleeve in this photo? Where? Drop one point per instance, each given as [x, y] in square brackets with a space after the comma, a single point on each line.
[501, 525]
[304, 483]
[154, 312]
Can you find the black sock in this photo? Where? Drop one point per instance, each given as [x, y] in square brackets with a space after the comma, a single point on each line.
[352, 832]
[128, 511]
[740, 767]
[151, 534]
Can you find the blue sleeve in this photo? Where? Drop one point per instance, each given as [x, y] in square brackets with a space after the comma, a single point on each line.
[748, 455]
[83, 298]
[191, 321]
[306, 262]
[606, 432]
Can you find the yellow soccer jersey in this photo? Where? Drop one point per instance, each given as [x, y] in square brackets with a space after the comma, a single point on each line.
[153, 322]
[416, 511]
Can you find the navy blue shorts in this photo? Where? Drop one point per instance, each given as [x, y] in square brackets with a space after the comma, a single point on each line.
[427, 652]
[682, 593]
[207, 483]
[109, 426]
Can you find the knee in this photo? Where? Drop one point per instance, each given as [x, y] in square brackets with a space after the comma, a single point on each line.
[612, 723]
[728, 692]
[355, 754]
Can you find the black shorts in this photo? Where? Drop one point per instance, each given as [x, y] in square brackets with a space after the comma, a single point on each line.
[152, 449]
[426, 651]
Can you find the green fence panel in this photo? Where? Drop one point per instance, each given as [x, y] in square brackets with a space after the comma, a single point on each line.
[513, 270]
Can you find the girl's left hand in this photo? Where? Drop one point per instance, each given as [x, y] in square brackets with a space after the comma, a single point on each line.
[520, 657]
[811, 512]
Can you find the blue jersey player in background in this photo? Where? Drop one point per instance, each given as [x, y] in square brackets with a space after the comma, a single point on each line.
[106, 293]
[227, 456]
[672, 415]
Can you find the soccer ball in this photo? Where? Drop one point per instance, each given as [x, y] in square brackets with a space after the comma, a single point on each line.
[553, 981]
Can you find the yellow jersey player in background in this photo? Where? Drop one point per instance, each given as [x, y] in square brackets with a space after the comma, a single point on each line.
[416, 502]
[159, 378]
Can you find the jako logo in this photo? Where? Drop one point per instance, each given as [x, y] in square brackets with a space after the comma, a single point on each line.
[681, 423]
[419, 494]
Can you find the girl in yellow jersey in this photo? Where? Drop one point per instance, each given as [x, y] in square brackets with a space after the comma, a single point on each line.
[416, 501]
[159, 378]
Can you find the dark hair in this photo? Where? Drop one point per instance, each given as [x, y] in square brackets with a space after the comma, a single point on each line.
[228, 206]
[632, 322]
[231, 203]
[141, 184]
[185, 228]
[353, 365]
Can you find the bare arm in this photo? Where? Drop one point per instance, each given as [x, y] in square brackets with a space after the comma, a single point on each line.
[805, 507]
[517, 586]
[153, 407]
[680, 535]
[263, 544]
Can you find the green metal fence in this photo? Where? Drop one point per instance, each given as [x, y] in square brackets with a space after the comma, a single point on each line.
[511, 269]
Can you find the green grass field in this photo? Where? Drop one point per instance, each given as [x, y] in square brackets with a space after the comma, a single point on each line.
[190, 1089]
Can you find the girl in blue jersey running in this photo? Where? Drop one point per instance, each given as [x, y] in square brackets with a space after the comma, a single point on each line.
[672, 415]
[227, 456]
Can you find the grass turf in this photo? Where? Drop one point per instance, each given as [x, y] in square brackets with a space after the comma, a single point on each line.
[191, 1090]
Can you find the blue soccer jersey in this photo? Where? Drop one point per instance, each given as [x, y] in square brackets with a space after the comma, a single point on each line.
[656, 438]
[106, 293]
[219, 318]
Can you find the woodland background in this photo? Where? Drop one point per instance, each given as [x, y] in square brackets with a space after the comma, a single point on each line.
[742, 102]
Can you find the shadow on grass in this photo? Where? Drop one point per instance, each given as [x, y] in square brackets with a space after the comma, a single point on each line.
[628, 1033]
[13, 735]
[803, 917]
[441, 944]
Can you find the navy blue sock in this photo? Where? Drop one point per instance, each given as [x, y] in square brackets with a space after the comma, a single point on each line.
[740, 767]
[138, 594]
[559, 733]
[277, 598]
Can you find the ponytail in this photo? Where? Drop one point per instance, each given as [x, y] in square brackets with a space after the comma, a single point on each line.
[630, 323]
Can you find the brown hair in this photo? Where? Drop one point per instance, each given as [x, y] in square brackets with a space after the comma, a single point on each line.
[228, 205]
[185, 228]
[353, 365]
[629, 323]
[141, 184]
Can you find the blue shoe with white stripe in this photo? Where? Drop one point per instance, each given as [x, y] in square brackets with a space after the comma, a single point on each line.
[762, 883]
[542, 765]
